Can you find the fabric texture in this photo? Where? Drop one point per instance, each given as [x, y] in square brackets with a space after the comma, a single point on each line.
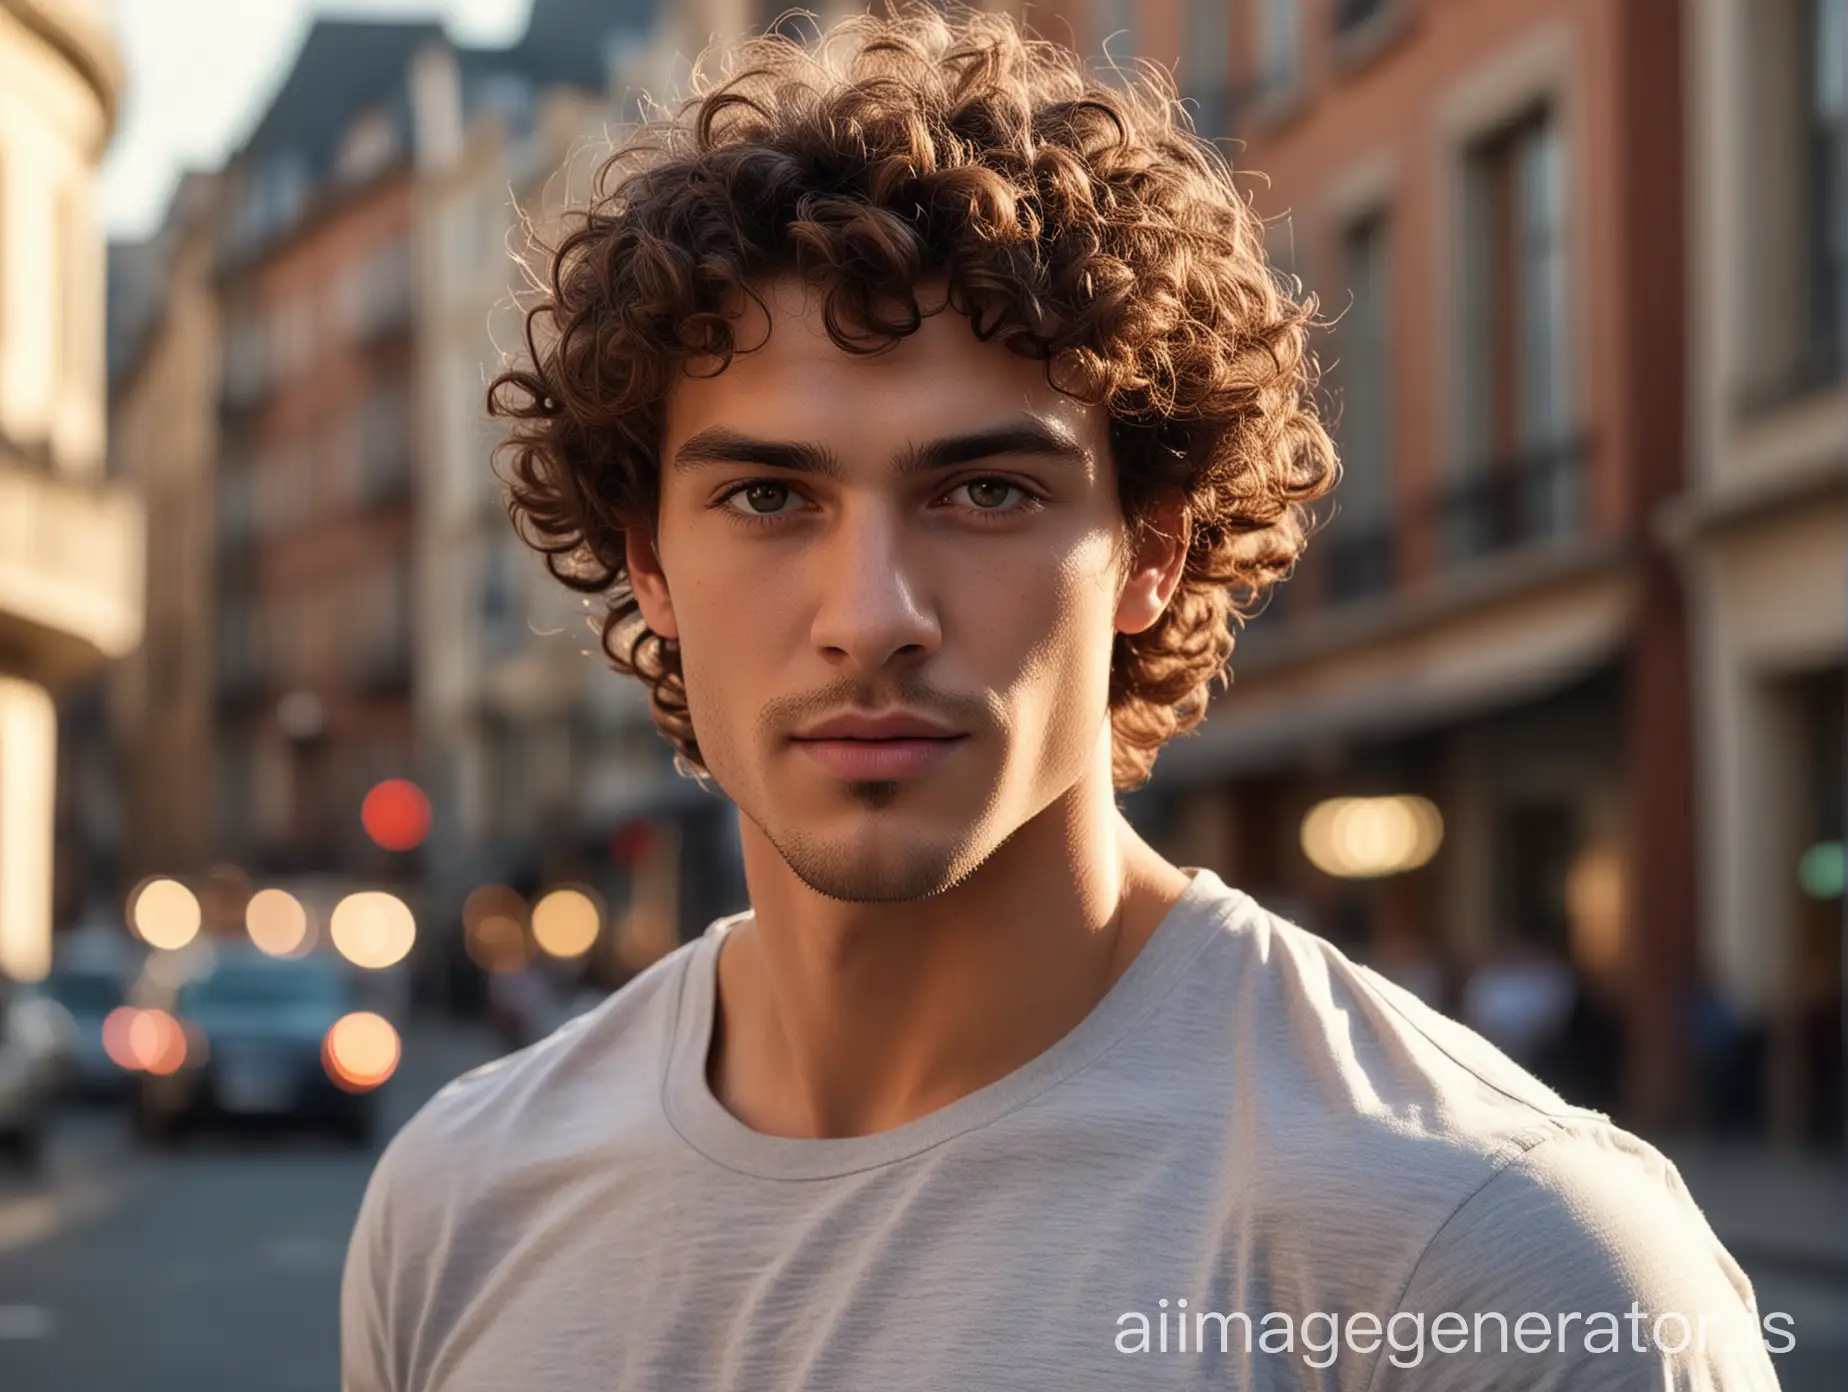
[1333, 1177]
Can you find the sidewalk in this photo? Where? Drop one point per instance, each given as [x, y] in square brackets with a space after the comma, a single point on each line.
[1772, 1208]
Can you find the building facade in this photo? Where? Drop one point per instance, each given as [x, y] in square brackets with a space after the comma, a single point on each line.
[1763, 535]
[548, 761]
[1485, 642]
[70, 535]
[163, 439]
[316, 481]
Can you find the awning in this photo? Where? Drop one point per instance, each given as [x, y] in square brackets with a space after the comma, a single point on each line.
[1418, 665]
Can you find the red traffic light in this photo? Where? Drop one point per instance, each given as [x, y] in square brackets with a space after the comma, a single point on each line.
[396, 814]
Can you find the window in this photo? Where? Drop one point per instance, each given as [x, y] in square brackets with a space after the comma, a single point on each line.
[378, 619]
[369, 145]
[478, 224]
[283, 494]
[1280, 46]
[1517, 460]
[233, 777]
[1360, 550]
[503, 627]
[273, 196]
[291, 336]
[385, 443]
[241, 362]
[236, 502]
[376, 290]
[337, 462]
[1351, 14]
[509, 95]
[1209, 66]
[319, 619]
[237, 655]
[1828, 180]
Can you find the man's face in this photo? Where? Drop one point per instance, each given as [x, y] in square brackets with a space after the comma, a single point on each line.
[934, 530]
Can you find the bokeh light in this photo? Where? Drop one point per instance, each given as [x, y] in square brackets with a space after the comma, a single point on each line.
[276, 921]
[497, 943]
[360, 1051]
[156, 1042]
[1595, 904]
[117, 1027]
[1365, 838]
[396, 814]
[494, 933]
[565, 923]
[1822, 870]
[165, 913]
[372, 929]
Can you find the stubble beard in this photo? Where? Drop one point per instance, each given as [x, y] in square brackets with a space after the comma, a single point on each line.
[884, 866]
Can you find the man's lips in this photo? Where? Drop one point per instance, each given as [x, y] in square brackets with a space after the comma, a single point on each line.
[860, 759]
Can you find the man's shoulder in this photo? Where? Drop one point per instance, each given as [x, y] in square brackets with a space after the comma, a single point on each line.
[1347, 1103]
[1374, 1143]
[1301, 1027]
[584, 1085]
[1589, 1247]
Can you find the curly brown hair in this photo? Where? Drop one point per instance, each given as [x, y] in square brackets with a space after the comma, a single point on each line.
[1076, 217]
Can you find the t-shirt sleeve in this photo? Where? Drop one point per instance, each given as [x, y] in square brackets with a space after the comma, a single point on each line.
[367, 1359]
[1581, 1264]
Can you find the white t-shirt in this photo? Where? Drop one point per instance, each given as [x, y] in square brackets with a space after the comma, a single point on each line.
[1335, 1179]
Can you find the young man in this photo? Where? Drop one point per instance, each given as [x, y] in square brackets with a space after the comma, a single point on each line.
[923, 408]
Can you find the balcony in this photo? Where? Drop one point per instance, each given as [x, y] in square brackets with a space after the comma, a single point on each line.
[1359, 561]
[1512, 502]
[71, 570]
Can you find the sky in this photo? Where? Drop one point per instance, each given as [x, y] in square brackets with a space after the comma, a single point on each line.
[201, 71]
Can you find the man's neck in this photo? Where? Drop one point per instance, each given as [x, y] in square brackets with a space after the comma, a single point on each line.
[844, 1019]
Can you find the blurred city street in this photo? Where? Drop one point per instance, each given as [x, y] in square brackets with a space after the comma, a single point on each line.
[300, 736]
[212, 1268]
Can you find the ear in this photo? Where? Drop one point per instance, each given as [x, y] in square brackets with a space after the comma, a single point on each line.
[649, 581]
[1155, 570]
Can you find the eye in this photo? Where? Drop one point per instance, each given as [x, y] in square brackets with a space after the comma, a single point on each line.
[760, 498]
[989, 494]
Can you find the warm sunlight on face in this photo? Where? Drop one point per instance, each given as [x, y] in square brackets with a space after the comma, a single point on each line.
[933, 530]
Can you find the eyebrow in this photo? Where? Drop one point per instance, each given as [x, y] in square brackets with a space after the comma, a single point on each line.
[722, 445]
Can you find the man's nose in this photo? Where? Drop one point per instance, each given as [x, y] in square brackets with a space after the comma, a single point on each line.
[874, 601]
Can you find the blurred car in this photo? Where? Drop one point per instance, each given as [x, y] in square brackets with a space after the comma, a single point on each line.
[34, 1032]
[234, 1034]
[89, 994]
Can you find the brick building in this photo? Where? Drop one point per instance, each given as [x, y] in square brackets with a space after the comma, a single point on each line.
[317, 478]
[1487, 198]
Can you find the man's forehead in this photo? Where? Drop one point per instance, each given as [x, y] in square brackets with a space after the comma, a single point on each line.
[785, 328]
[789, 379]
